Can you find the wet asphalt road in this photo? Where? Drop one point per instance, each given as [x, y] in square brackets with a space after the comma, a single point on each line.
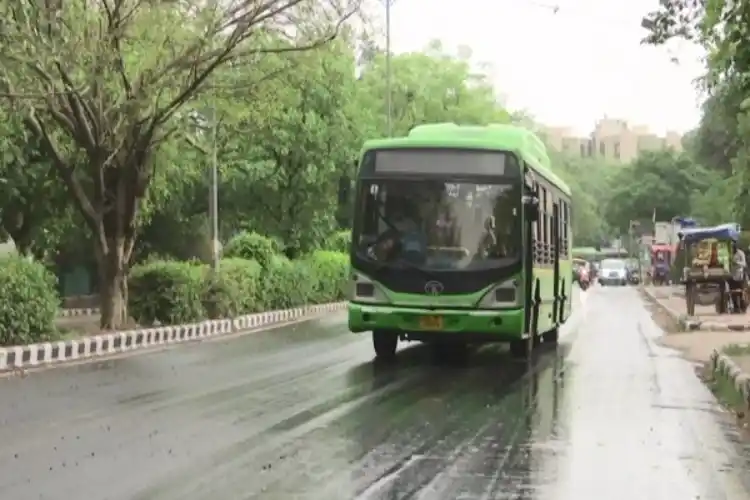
[302, 413]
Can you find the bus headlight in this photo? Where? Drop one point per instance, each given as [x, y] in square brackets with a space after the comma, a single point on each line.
[363, 289]
[505, 294]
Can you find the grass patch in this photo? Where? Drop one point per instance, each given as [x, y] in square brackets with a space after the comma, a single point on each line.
[726, 393]
[737, 350]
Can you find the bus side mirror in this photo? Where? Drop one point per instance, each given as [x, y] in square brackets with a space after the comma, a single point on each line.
[343, 191]
[531, 206]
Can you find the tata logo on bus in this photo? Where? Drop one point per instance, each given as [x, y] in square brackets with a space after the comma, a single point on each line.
[433, 288]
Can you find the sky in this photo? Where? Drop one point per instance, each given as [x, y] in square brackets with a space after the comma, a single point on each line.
[565, 68]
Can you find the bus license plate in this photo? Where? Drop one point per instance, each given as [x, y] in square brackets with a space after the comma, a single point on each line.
[431, 322]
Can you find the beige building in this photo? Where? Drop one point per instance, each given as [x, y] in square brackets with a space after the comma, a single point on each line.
[611, 139]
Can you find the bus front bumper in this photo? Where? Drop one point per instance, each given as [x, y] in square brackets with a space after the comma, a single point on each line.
[502, 323]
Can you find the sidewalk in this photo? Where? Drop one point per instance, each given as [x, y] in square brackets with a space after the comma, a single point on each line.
[705, 333]
[672, 300]
[719, 342]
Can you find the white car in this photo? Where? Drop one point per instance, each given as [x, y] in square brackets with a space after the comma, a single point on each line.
[613, 272]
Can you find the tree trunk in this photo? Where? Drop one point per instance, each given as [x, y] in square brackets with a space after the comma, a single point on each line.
[113, 284]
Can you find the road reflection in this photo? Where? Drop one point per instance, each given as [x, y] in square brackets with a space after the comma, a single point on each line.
[462, 430]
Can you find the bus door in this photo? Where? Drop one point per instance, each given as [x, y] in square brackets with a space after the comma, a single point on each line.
[530, 238]
[556, 258]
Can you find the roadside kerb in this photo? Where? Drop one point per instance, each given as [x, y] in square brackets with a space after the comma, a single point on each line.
[687, 323]
[723, 366]
[684, 323]
[107, 344]
[74, 312]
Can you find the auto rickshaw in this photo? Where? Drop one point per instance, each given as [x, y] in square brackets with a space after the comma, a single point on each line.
[707, 275]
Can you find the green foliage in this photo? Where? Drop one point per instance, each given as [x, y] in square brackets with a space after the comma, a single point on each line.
[238, 289]
[429, 86]
[719, 143]
[662, 181]
[308, 129]
[330, 271]
[283, 129]
[181, 292]
[589, 180]
[287, 283]
[169, 292]
[137, 81]
[252, 246]
[339, 242]
[28, 301]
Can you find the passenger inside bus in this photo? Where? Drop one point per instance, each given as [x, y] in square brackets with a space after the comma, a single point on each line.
[440, 226]
[405, 239]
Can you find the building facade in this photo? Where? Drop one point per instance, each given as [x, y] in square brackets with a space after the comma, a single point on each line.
[611, 139]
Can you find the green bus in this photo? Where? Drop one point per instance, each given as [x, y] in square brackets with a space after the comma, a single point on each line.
[461, 235]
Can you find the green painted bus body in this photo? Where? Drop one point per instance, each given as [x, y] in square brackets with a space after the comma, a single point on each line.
[461, 315]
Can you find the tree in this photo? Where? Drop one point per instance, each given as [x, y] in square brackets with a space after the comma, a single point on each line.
[657, 182]
[34, 205]
[721, 28]
[428, 87]
[306, 136]
[716, 142]
[282, 149]
[588, 179]
[101, 85]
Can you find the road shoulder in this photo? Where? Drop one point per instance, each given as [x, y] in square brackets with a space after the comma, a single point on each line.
[720, 348]
[18, 359]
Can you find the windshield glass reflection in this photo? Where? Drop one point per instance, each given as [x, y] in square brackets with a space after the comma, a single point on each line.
[439, 226]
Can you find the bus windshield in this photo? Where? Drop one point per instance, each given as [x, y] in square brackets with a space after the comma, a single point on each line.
[436, 225]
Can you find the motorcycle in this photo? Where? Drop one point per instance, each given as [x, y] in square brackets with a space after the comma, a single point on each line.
[583, 279]
[634, 277]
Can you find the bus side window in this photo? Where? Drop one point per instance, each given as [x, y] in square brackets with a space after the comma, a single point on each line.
[545, 223]
[563, 228]
[566, 228]
[551, 200]
[537, 230]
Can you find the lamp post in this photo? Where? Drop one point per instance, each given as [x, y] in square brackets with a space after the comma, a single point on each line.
[388, 93]
[214, 198]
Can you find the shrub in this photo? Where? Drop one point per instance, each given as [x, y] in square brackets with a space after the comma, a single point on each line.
[252, 246]
[169, 292]
[236, 290]
[219, 297]
[182, 292]
[28, 301]
[339, 242]
[331, 273]
[286, 283]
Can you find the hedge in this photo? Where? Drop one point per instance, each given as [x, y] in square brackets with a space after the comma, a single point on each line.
[252, 246]
[339, 242]
[167, 292]
[171, 292]
[28, 301]
[253, 277]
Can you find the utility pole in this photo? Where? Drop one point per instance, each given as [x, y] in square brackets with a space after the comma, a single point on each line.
[388, 93]
[633, 226]
[214, 198]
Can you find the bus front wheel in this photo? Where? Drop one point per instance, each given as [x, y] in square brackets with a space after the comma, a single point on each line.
[385, 343]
